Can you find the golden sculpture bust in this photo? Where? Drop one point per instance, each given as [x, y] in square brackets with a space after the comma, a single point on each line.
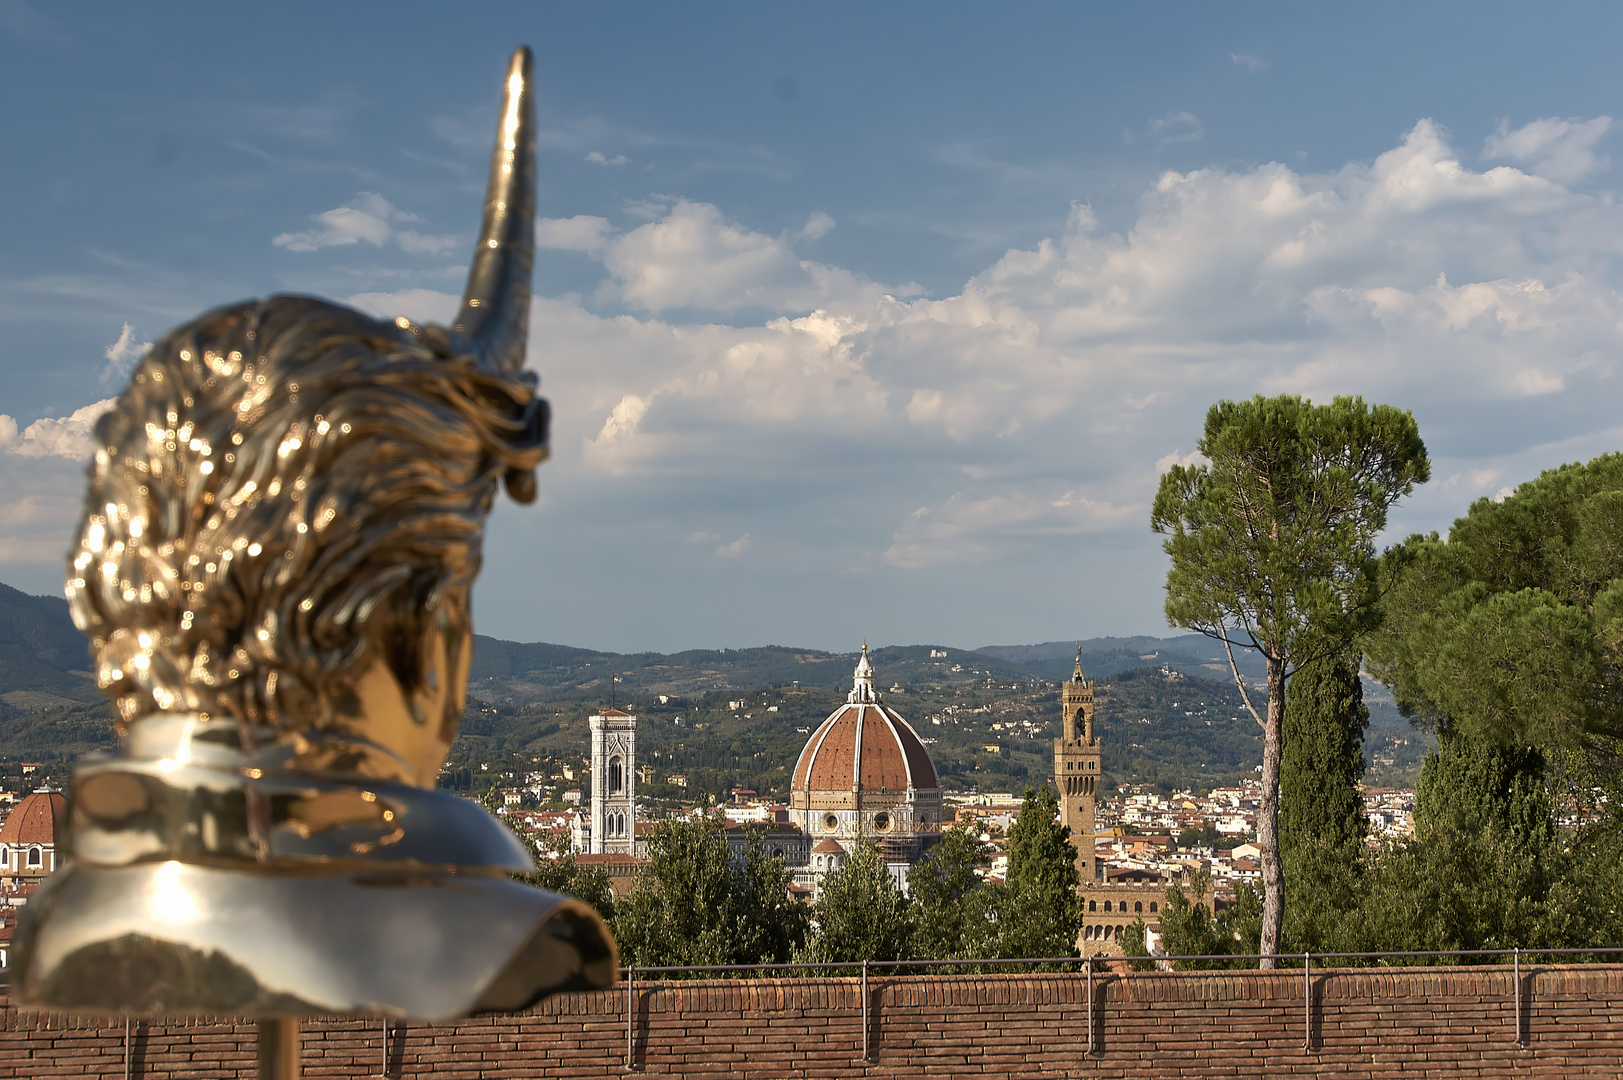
[275, 565]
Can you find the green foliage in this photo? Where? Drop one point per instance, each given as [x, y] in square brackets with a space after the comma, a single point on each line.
[692, 905]
[861, 914]
[1321, 813]
[557, 871]
[1272, 544]
[952, 906]
[1322, 758]
[1133, 944]
[1511, 629]
[1188, 927]
[1038, 911]
[1276, 534]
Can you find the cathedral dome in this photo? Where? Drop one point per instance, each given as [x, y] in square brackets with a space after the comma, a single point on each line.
[864, 747]
[37, 819]
[866, 772]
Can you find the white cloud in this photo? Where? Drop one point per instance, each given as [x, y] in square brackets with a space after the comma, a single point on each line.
[1020, 425]
[1250, 63]
[64, 437]
[596, 158]
[122, 356]
[1176, 127]
[579, 233]
[817, 225]
[966, 529]
[734, 549]
[693, 258]
[1558, 150]
[370, 219]
[1164, 464]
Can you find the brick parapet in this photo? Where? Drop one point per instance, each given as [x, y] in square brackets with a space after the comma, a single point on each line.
[1367, 1022]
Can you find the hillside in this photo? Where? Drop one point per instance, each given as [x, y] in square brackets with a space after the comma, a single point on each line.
[1168, 709]
[1192, 654]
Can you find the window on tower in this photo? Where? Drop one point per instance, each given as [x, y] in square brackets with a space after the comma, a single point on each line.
[617, 779]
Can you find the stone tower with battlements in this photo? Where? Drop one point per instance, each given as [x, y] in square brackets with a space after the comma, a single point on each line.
[1076, 769]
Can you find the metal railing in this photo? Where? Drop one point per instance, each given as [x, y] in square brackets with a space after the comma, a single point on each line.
[1163, 961]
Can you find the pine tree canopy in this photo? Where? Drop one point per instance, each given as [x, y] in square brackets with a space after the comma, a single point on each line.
[1272, 542]
[1510, 630]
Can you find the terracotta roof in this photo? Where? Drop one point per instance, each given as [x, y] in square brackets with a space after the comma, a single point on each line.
[36, 820]
[864, 746]
[611, 712]
[828, 844]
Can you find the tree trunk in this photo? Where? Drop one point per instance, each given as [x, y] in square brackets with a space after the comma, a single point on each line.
[1273, 874]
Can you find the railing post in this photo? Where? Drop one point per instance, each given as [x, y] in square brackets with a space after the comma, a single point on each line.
[1091, 1025]
[1307, 1002]
[865, 1010]
[126, 1048]
[383, 1061]
[631, 982]
[1516, 974]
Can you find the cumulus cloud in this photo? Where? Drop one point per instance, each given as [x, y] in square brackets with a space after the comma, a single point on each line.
[1558, 150]
[64, 437]
[692, 257]
[370, 219]
[596, 158]
[1021, 423]
[122, 356]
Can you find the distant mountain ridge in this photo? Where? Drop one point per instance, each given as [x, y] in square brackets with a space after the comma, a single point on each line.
[1193, 654]
[518, 692]
[41, 650]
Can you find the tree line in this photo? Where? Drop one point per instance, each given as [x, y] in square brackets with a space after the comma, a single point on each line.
[1504, 637]
[694, 904]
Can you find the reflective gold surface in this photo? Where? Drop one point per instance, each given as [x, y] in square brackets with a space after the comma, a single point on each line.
[283, 526]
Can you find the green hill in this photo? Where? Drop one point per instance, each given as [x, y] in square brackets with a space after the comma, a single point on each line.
[1168, 711]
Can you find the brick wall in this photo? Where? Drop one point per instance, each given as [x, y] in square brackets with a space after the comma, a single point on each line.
[1366, 1023]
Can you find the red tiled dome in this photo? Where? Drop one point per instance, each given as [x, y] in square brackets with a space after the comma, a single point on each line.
[865, 747]
[38, 819]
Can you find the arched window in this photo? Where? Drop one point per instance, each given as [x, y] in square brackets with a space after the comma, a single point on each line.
[1107, 905]
[1093, 905]
[34, 858]
[1152, 907]
[5, 853]
[1138, 906]
[617, 779]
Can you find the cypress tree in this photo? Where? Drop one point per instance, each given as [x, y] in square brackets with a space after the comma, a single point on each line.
[1323, 757]
[1321, 813]
[1038, 910]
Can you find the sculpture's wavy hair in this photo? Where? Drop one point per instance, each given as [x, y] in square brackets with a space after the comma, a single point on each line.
[285, 487]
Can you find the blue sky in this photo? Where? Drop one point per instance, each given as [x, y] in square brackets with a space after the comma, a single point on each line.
[859, 321]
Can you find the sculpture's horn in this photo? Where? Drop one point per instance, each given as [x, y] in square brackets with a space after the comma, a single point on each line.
[495, 313]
